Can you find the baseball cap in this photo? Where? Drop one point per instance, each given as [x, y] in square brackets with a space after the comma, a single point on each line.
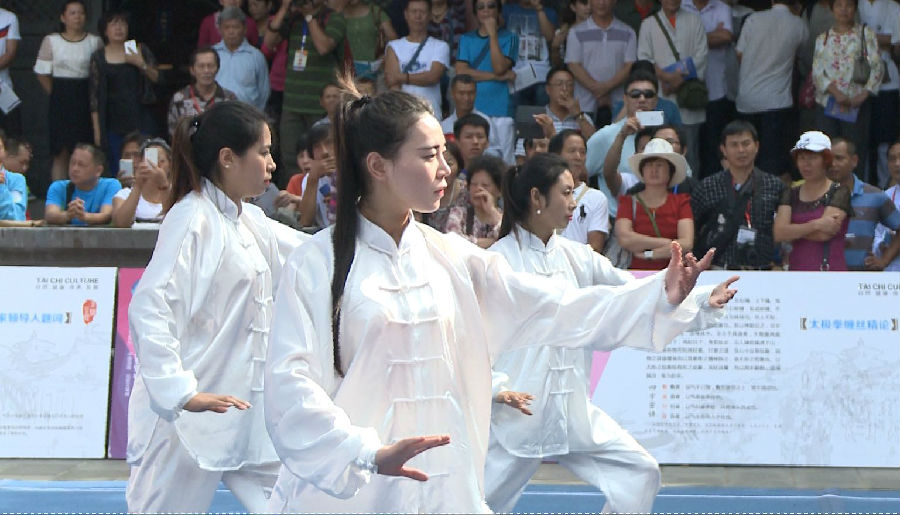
[813, 141]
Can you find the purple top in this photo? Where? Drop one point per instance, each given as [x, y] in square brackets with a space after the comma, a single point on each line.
[806, 255]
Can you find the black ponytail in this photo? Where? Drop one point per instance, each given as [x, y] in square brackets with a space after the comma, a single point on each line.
[362, 125]
[541, 172]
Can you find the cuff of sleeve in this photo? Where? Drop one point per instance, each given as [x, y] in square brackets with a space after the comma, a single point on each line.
[43, 67]
[370, 445]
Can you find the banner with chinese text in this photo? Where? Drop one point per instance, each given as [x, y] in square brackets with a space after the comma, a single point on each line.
[805, 370]
[55, 334]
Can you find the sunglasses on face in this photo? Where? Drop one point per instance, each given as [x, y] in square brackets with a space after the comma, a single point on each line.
[482, 7]
[647, 93]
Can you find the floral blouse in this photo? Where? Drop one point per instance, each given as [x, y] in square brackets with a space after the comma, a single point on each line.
[457, 220]
[833, 61]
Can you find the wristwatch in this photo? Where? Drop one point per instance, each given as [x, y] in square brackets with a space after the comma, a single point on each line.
[648, 254]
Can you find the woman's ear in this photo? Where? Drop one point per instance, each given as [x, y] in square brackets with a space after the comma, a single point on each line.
[537, 200]
[226, 158]
[377, 166]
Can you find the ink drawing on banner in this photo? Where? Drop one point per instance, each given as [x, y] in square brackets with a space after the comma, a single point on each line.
[685, 67]
[844, 114]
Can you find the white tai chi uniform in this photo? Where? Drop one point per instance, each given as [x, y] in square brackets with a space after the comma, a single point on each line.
[420, 325]
[565, 424]
[200, 321]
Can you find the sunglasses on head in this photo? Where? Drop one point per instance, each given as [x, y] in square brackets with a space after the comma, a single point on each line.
[482, 7]
[647, 93]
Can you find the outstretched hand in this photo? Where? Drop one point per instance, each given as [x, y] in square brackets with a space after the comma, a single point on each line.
[214, 402]
[681, 274]
[722, 294]
[517, 400]
[391, 459]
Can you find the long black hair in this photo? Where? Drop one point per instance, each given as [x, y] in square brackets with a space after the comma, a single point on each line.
[198, 139]
[542, 171]
[362, 125]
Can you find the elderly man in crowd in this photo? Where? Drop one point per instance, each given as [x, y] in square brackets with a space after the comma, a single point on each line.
[203, 91]
[243, 68]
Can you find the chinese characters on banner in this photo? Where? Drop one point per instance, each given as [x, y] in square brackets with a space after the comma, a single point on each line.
[804, 370]
[56, 327]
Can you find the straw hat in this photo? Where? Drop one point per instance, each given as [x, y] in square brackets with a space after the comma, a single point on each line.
[658, 147]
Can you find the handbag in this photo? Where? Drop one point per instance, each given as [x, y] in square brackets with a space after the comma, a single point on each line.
[861, 67]
[692, 94]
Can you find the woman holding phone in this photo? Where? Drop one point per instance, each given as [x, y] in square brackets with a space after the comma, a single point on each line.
[122, 75]
[144, 200]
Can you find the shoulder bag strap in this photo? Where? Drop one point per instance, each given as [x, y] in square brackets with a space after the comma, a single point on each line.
[415, 56]
[668, 37]
[481, 55]
[826, 246]
[650, 215]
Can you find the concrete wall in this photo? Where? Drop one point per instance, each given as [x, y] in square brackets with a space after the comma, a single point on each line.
[72, 246]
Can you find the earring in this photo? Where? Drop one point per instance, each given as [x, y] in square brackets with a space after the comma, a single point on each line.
[538, 212]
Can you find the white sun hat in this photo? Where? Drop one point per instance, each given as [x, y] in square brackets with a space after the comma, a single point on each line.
[658, 147]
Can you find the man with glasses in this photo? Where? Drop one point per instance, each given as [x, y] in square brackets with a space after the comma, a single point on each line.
[599, 53]
[564, 110]
[609, 148]
[488, 55]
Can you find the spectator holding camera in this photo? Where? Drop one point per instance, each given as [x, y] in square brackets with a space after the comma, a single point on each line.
[318, 205]
[143, 202]
[122, 78]
[86, 197]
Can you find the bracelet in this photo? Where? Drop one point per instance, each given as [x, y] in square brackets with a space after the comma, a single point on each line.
[648, 255]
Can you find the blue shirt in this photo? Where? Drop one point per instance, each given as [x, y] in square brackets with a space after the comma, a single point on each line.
[491, 96]
[94, 199]
[870, 206]
[669, 109]
[244, 72]
[13, 196]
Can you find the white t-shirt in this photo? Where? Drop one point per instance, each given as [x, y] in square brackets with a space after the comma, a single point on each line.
[591, 214]
[146, 210]
[434, 51]
[883, 16]
[66, 59]
[9, 29]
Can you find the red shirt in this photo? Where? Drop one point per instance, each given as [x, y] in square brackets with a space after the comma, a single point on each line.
[677, 207]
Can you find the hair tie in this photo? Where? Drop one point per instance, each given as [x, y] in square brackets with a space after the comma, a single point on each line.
[361, 102]
[194, 127]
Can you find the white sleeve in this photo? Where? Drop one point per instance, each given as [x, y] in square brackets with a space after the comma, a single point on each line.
[313, 437]
[519, 309]
[43, 65]
[443, 54]
[172, 289]
[598, 216]
[14, 28]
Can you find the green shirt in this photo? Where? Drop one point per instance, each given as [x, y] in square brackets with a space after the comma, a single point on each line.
[361, 33]
[302, 89]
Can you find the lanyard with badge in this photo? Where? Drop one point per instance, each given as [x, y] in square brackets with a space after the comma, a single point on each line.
[301, 55]
[746, 234]
[197, 108]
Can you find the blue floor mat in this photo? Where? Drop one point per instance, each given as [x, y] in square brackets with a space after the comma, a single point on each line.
[109, 497]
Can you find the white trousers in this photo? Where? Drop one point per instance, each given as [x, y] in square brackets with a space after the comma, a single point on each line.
[623, 470]
[168, 480]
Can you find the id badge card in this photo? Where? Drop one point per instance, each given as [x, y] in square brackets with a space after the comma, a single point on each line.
[746, 235]
[299, 61]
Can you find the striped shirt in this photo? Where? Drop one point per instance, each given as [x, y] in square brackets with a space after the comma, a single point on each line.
[870, 207]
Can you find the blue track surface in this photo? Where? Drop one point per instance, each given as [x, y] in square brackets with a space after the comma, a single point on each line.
[109, 497]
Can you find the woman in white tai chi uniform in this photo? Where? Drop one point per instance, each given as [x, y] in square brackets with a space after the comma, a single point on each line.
[551, 383]
[200, 321]
[405, 345]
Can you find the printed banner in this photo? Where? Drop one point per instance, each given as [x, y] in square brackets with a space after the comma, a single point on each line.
[123, 365]
[805, 370]
[55, 334]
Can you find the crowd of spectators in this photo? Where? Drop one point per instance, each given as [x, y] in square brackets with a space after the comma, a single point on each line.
[768, 134]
